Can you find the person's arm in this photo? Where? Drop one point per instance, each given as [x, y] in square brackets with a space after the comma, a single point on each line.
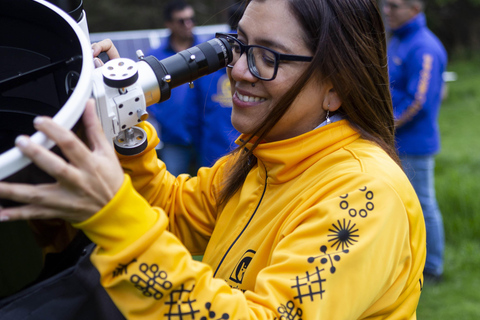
[424, 83]
[327, 263]
[189, 202]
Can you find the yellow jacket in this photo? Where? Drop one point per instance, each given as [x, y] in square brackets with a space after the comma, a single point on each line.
[326, 226]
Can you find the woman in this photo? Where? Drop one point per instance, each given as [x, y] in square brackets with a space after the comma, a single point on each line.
[310, 218]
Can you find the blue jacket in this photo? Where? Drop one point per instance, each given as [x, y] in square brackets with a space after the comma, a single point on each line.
[416, 61]
[177, 125]
[217, 134]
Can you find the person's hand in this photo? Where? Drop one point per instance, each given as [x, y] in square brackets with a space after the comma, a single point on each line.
[84, 185]
[104, 46]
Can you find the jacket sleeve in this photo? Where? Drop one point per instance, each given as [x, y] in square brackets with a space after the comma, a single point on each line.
[189, 202]
[146, 270]
[424, 83]
[330, 262]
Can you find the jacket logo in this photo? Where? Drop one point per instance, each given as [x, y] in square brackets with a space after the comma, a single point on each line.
[224, 93]
[241, 267]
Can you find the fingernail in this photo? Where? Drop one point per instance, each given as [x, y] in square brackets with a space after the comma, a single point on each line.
[21, 141]
[97, 63]
[38, 120]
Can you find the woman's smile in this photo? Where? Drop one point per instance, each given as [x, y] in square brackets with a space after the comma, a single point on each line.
[248, 98]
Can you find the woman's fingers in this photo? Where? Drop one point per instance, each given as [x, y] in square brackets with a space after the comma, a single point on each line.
[43, 202]
[46, 160]
[105, 46]
[26, 212]
[84, 185]
[72, 147]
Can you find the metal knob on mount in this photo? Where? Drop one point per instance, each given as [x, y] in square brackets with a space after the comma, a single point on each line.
[131, 141]
[120, 73]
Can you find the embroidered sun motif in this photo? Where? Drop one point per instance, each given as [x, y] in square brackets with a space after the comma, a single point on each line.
[343, 235]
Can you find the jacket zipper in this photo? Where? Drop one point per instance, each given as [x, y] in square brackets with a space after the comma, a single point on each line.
[244, 228]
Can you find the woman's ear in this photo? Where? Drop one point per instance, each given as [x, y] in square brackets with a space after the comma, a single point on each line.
[332, 100]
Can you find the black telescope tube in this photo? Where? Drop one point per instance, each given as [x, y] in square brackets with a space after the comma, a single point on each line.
[190, 64]
[73, 7]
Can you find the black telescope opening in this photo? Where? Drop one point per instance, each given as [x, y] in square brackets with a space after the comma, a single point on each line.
[40, 63]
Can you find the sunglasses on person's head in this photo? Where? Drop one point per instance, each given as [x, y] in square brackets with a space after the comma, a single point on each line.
[262, 61]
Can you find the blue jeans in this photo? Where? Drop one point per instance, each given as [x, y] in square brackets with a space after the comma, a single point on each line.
[420, 171]
[177, 158]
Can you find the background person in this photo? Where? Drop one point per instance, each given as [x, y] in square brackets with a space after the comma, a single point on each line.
[194, 124]
[311, 210]
[177, 117]
[417, 60]
[215, 130]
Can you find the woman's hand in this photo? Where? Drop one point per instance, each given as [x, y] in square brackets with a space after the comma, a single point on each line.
[84, 185]
[104, 46]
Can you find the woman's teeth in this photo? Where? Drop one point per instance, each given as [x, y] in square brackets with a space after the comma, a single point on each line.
[249, 99]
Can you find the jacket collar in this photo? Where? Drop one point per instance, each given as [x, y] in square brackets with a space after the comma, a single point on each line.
[287, 159]
[416, 23]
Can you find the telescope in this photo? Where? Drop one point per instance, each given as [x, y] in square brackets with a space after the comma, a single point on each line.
[46, 68]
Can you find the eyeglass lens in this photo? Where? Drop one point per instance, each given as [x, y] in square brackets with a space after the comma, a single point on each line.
[261, 62]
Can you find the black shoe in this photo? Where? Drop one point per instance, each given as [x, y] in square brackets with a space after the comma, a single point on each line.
[430, 278]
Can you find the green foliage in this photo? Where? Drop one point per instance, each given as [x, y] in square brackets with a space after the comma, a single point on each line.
[458, 295]
[456, 23]
[458, 190]
[458, 164]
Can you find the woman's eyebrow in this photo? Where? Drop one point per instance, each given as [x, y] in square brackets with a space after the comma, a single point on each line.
[266, 42]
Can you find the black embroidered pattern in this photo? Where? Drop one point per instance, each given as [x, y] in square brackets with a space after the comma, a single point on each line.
[309, 286]
[288, 312]
[180, 305]
[122, 268]
[212, 315]
[325, 258]
[343, 235]
[363, 212]
[152, 282]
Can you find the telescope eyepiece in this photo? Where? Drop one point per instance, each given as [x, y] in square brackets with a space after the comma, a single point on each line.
[190, 64]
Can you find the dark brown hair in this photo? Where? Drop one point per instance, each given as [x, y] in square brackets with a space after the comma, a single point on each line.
[349, 45]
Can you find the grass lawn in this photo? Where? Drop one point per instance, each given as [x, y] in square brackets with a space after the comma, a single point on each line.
[458, 191]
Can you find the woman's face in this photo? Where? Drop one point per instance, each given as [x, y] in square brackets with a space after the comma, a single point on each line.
[270, 23]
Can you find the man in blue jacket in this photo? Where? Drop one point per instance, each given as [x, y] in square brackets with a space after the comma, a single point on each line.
[194, 124]
[417, 60]
[217, 134]
[173, 118]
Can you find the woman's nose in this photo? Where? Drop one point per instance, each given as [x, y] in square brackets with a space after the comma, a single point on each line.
[240, 70]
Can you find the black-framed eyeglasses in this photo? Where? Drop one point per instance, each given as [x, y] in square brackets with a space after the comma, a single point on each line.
[262, 61]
